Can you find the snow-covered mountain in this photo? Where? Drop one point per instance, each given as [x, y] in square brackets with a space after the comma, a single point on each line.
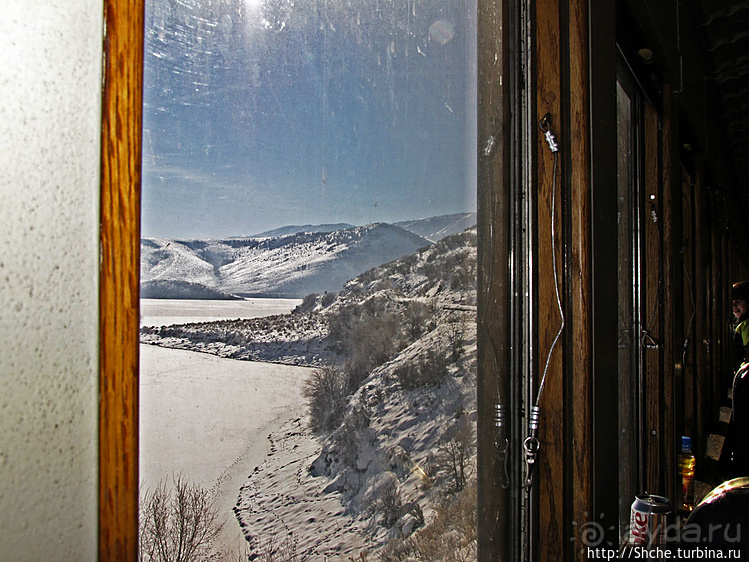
[292, 265]
[294, 229]
[432, 228]
[384, 463]
[436, 228]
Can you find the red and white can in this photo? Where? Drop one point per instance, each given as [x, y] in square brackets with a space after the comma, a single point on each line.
[648, 520]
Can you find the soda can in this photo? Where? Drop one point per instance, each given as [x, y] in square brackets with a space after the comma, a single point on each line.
[648, 520]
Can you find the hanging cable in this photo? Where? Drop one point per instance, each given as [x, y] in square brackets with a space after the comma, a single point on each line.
[685, 345]
[531, 443]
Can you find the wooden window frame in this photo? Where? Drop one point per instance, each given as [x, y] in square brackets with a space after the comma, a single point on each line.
[120, 270]
[119, 278]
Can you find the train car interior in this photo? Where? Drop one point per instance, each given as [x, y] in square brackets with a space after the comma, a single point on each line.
[613, 201]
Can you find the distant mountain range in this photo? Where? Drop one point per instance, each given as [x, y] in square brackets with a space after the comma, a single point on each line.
[432, 228]
[294, 229]
[289, 262]
[290, 266]
[436, 228]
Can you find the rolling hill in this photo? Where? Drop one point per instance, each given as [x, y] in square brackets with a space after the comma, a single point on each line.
[291, 265]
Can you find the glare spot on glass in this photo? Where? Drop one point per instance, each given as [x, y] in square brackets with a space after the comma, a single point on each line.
[442, 32]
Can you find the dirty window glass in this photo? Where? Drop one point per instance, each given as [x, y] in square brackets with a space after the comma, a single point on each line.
[306, 112]
[308, 277]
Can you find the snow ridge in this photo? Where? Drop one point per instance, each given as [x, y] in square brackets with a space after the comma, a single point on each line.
[293, 229]
[437, 228]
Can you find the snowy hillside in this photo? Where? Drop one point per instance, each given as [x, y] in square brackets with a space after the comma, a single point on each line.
[292, 265]
[436, 228]
[295, 229]
[383, 462]
[432, 228]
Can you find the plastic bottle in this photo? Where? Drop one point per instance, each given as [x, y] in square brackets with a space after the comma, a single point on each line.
[686, 469]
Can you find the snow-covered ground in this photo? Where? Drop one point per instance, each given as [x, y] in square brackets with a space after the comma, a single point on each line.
[209, 418]
[401, 451]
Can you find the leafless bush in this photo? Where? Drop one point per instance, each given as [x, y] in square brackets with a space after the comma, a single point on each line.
[450, 536]
[456, 330]
[408, 375]
[368, 276]
[326, 391]
[454, 454]
[389, 502]
[366, 335]
[279, 547]
[416, 316]
[328, 299]
[178, 524]
[350, 435]
[430, 369]
[307, 304]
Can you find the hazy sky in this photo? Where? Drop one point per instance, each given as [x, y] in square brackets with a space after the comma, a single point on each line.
[263, 113]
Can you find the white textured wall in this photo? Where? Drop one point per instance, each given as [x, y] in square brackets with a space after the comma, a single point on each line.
[50, 89]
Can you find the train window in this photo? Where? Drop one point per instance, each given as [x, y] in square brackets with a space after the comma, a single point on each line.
[291, 148]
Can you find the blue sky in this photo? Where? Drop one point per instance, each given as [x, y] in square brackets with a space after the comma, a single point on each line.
[264, 113]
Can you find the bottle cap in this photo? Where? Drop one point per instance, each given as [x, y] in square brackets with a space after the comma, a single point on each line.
[686, 443]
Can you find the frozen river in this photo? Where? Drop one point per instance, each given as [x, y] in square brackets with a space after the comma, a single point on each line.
[208, 418]
[164, 312]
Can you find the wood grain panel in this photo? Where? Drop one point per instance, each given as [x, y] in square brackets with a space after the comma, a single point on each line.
[580, 315]
[651, 212]
[119, 280]
[668, 203]
[496, 517]
[703, 399]
[725, 311]
[687, 272]
[551, 458]
[715, 306]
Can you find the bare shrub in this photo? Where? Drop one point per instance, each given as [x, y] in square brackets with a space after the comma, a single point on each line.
[408, 375]
[464, 275]
[415, 319]
[454, 454]
[279, 547]
[307, 304]
[367, 335]
[349, 436]
[178, 524]
[368, 276]
[328, 299]
[326, 391]
[456, 330]
[389, 502]
[403, 265]
[430, 369]
[450, 536]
